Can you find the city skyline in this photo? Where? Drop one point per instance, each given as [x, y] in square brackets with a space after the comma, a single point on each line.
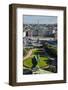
[35, 19]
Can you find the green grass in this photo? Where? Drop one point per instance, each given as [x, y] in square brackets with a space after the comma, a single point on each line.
[28, 62]
[41, 63]
[38, 51]
[35, 51]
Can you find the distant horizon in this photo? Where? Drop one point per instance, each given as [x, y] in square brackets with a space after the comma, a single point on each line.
[37, 19]
[40, 23]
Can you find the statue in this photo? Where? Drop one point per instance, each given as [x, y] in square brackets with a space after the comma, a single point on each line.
[35, 60]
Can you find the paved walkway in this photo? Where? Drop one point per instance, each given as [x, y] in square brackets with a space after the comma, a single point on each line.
[41, 71]
[29, 54]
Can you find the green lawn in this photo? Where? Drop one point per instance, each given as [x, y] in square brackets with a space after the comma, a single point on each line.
[42, 63]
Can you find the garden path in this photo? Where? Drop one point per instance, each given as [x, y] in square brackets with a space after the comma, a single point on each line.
[29, 54]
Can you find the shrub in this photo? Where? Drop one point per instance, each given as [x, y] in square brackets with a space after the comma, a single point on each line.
[52, 51]
[24, 52]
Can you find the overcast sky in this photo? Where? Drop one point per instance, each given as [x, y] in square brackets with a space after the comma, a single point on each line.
[34, 19]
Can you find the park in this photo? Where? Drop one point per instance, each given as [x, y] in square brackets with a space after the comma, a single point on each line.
[40, 58]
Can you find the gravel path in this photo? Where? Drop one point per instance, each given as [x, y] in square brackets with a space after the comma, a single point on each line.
[29, 54]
